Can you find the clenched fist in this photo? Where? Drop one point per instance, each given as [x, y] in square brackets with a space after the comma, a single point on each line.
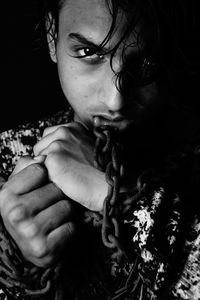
[36, 213]
[69, 161]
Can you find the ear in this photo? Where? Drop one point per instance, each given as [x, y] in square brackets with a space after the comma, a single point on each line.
[51, 37]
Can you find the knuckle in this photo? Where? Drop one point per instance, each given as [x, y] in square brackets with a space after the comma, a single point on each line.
[63, 132]
[28, 229]
[38, 248]
[18, 213]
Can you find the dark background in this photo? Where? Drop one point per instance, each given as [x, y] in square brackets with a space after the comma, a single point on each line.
[30, 84]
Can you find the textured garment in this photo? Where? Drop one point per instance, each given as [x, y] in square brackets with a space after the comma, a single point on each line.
[164, 260]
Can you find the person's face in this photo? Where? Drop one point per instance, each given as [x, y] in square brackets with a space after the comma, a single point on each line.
[85, 73]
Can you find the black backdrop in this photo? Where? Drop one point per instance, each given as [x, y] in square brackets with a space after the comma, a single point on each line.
[30, 84]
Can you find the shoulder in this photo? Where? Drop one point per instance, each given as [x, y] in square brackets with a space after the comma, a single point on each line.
[20, 140]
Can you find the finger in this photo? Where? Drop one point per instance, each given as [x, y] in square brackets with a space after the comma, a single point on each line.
[28, 179]
[41, 198]
[37, 246]
[59, 237]
[16, 212]
[26, 161]
[64, 132]
[31, 239]
[44, 251]
[54, 216]
[22, 163]
[26, 206]
[51, 129]
[50, 134]
[58, 147]
[44, 143]
[27, 228]
[71, 173]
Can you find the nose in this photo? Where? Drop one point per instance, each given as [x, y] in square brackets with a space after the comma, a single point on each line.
[113, 99]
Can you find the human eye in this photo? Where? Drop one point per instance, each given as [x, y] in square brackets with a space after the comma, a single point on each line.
[90, 55]
[147, 72]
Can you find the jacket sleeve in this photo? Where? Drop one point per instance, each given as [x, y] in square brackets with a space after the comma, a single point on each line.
[164, 227]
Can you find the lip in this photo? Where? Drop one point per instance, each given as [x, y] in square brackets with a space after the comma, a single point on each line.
[110, 118]
[118, 123]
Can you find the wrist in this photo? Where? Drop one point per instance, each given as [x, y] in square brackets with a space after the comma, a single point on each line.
[100, 191]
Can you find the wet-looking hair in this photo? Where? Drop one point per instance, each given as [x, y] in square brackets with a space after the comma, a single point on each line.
[155, 39]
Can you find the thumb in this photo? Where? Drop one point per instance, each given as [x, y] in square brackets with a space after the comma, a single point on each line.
[26, 161]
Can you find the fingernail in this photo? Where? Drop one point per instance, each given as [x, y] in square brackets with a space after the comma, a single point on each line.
[40, 158]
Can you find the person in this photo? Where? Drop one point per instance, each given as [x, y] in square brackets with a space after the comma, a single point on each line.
[126, 227]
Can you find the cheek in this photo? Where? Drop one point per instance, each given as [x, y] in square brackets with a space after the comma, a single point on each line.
[75, 80]
[79, 87]
[148, 94]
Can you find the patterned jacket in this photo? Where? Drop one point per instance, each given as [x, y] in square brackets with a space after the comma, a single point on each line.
[161, 234]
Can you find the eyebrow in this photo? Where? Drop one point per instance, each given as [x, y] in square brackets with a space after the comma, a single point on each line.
[82, 39]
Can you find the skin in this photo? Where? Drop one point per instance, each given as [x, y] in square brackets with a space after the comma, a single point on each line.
[67, 151]
[36, 213]
[88, 82]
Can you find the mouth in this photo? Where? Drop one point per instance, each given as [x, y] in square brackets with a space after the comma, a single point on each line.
[118, 123]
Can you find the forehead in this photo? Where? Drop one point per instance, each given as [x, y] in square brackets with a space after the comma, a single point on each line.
[86, 8]
[84, 12]
[91, 18]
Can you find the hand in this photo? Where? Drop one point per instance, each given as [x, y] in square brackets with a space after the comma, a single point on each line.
[36, 213]
[69, 151]
[2, 181]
